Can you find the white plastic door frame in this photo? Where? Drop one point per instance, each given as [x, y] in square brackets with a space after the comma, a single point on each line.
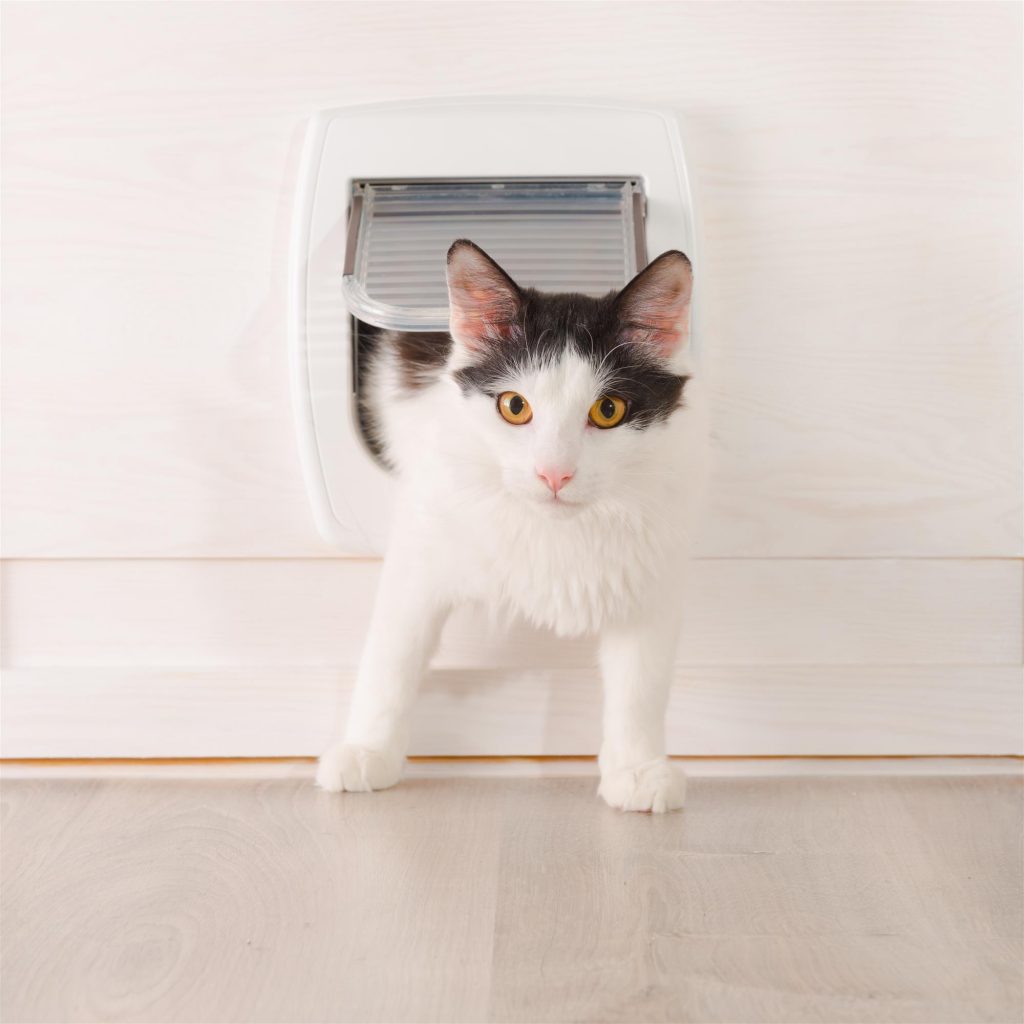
[350, 493]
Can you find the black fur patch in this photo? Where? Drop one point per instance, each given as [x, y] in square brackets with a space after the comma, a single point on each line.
[550, 325]
[421, 355]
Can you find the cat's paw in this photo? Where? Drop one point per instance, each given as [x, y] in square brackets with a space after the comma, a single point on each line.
[656, 786]
[353, 769]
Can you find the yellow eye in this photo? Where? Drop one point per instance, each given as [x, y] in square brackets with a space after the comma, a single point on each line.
[607, 411]
[514, 408]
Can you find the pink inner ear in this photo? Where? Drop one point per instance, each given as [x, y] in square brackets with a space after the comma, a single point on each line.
[483, 299]
[664, 329]
[480, 314]
[655, 305]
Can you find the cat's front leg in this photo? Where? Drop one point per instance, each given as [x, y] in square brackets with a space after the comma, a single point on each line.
[407, 618]
[636, 667]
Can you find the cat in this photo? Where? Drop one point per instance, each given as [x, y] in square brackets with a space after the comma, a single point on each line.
[549, 453]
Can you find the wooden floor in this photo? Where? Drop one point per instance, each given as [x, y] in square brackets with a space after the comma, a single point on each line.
[505, 899]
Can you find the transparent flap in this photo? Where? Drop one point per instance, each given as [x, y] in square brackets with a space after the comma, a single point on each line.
[557, 235]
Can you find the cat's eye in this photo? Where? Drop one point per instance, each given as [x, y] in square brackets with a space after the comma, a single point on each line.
[607, 411]
[514, 408]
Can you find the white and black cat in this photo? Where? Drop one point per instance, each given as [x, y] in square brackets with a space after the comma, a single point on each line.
[548, 454]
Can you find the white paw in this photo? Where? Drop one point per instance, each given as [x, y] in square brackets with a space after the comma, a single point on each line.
[655, 786]
[358, 769]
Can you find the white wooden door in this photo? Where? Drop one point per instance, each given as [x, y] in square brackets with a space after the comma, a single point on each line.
[859, 179]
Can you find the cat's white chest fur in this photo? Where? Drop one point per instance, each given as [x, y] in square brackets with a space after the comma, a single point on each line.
[569, 571]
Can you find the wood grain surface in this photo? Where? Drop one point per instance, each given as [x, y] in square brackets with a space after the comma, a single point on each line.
[714, 711]
[315, 612]
[858, 172]
[856, 899]
[859, 178]
[146, 658]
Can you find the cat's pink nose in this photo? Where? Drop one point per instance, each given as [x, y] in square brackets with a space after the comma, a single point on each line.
[556, 479]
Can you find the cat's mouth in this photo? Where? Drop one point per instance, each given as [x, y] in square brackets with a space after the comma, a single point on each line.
[556, 505]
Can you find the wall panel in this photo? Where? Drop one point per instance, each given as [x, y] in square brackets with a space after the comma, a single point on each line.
[315, 612]
[731, 710]
[859, 168]
[859, 174]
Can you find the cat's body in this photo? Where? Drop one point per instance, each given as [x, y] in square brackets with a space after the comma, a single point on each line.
[530, 508]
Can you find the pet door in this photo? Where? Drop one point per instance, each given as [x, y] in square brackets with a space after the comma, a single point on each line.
[565, 195]
[556, 234]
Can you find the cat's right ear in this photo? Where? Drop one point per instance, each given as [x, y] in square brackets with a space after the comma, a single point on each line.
[484, 302]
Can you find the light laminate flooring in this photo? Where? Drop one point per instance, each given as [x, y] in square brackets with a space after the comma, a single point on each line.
[861, 898]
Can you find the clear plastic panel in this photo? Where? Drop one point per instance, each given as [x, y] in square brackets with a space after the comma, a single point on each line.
[558, 235]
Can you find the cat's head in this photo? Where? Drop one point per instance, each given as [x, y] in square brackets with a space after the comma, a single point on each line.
[572, 394]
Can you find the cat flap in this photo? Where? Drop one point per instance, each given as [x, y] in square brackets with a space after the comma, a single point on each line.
[560, 235]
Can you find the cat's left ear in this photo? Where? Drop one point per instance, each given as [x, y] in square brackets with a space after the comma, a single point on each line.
[484, 302]
[654, 308]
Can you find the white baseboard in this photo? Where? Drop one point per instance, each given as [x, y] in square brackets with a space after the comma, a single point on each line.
[519, 768]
